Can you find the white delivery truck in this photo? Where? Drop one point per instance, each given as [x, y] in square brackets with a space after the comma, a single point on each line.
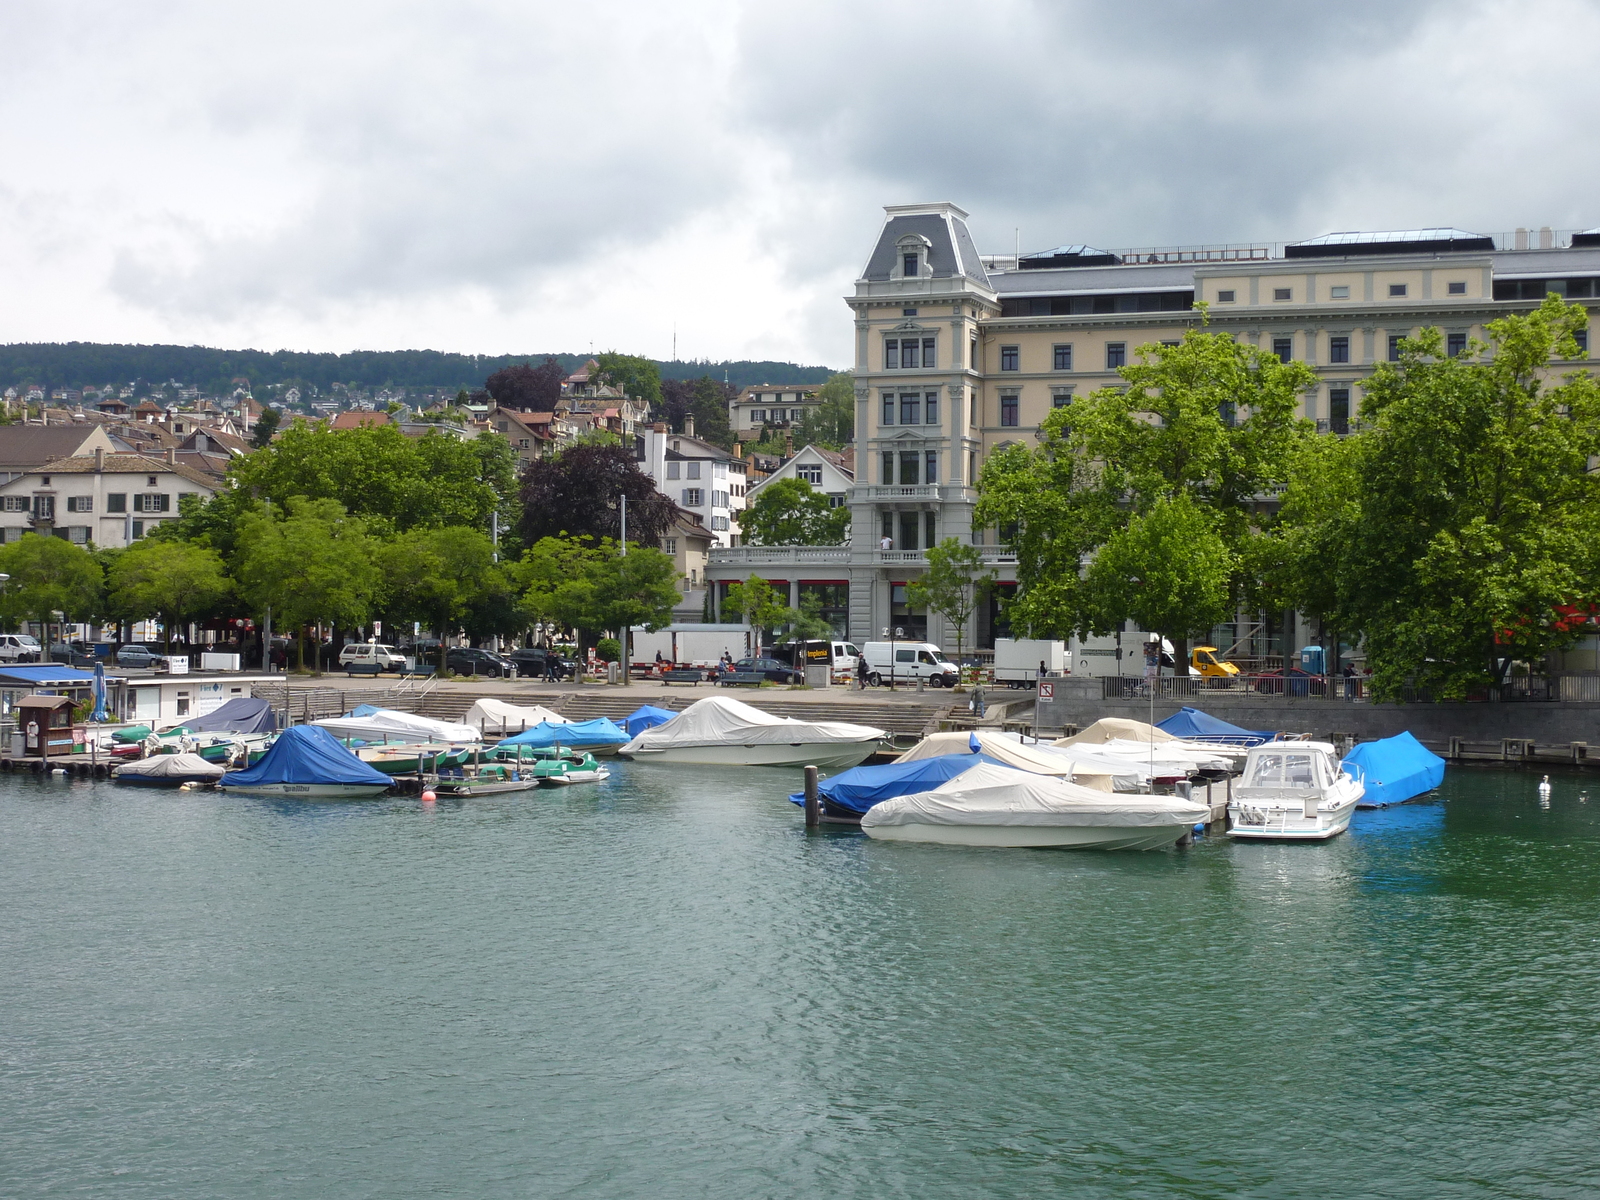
[1018, 661]
[691, 645]
[906, 662]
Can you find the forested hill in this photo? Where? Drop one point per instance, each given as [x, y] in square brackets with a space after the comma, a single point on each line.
[91, 364]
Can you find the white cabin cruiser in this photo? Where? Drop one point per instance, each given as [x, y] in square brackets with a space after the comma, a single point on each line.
[721, 730]
[1292, 791]
[994, 805]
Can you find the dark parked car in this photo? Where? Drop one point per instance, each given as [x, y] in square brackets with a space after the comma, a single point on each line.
[534, 663]
[777, 672]
[470, 660]
[137, 654]
[74, 655]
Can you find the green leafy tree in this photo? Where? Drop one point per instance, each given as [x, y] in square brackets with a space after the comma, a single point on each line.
[1462, 523]
[953, 585]
[390, 481]
[314, 564]
[266, 426]
[434, 576]
[1209, 419]
[1168, 570]
[634, 376]
[176, 581]
[790, 512]
[637, 589]
[49, 574]
[832, 422]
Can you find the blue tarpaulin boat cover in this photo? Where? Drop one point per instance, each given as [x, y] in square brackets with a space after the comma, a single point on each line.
[306, 754]
[1192, 723]
[602, 731]
[1394, 770]
[646, 716]
[859, 788]
[242, 714]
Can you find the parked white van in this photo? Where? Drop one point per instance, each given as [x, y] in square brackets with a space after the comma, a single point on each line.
[19, 648]
[906, 662]
[385, 658]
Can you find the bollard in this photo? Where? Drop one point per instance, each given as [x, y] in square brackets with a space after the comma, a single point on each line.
[1456, 745]
[813, 801]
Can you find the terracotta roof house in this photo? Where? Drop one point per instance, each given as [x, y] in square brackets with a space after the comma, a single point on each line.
[356, 419]
[23, 447]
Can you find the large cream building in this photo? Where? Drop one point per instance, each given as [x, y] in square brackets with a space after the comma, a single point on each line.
[957, 353]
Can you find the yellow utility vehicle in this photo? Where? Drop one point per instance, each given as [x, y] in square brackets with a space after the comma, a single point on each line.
[1203, 662]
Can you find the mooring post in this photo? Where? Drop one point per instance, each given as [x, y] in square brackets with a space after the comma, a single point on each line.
[1455, 748]
[813, 801]
[1580, 751]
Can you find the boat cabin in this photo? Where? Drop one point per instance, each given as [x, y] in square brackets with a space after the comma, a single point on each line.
[45, 723]
[1280, 767]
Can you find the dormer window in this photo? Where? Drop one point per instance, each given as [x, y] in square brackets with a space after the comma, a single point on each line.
[909, 265]
[914, 250]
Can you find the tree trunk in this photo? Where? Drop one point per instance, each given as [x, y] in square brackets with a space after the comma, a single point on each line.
[1180, 656]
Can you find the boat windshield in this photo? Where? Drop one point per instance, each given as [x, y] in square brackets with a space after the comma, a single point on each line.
[1282, 771]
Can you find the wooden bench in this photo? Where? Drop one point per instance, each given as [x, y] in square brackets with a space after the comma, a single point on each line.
[356, 668]
[683, 675]
[735, 678]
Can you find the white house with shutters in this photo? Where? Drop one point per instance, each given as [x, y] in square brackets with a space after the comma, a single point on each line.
[104, 500]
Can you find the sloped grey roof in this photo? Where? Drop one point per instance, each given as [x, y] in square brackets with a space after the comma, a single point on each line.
[951, 252]
[23, 446]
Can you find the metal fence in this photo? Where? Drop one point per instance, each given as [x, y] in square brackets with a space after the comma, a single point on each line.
[1572, 688]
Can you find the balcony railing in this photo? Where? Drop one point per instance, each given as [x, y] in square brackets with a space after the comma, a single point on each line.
[865, 556]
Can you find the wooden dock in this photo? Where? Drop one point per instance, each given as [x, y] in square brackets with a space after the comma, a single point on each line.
[84, 766]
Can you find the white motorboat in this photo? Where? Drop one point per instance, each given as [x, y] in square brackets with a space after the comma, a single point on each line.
[1293, 791]
[994, 805]
[722, 731]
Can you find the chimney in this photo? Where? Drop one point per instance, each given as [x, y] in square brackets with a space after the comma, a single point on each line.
[688, 424]
[99, 460]
[659, 427]
[1547, 238]
[788, 446]
[738, 450]
[172, 455]
[1522, 238]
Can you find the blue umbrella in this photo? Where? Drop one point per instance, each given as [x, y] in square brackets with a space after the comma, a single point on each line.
[99, 714]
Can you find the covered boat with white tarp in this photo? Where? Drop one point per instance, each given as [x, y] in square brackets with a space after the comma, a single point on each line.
[391, 725]
[722, 730]
[168, 770]
[497, 718]
[994, 805]
[1035, 758]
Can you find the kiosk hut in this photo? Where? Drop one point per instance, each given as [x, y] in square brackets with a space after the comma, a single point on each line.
[46, 726]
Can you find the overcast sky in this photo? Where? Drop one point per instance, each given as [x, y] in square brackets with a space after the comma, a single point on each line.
[516, 177]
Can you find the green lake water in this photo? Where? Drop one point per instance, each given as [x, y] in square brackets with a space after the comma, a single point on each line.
[663, 987]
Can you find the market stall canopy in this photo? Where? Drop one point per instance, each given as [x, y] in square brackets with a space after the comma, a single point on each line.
[498, 717]
[1393, 770]
[242, 714]
[391, 725]
[1191, 723]
[721, 721]
[306, 754]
